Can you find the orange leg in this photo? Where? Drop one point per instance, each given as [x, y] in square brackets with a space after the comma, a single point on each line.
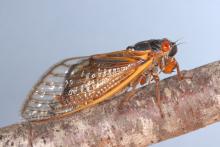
[127, 98]
[170, 66]
[180, 76]
[157, 91]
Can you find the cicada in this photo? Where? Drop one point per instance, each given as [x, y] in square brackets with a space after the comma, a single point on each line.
[77, 83]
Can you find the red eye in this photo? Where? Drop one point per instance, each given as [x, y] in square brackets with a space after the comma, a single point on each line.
[165, 45]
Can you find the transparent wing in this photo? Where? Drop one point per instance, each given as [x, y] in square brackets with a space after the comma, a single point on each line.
[41, 98]
[73, 83]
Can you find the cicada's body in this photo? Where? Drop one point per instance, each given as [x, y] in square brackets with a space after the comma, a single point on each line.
[77, 83]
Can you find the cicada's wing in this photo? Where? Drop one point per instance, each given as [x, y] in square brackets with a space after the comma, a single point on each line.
[74, 83]
[41, 97]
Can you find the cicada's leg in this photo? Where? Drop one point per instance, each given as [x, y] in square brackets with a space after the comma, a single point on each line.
[131, 93]
[127, 98]
[172, 64]
[157, 91]
[179, 74]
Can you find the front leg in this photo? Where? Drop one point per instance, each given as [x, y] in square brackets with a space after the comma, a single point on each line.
[170, 65]
[180, 76]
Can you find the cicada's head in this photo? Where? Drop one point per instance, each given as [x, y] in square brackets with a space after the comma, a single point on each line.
[168, 47]
[156, 45]
[164, 50]
[168, 63]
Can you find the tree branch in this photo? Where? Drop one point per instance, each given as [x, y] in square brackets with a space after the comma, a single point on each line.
[187, 105]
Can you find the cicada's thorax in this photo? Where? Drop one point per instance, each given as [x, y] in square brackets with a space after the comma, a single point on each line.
[153, 44]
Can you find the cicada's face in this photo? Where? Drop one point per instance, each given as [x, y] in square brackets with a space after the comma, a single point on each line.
[167, 62]
[168, 47]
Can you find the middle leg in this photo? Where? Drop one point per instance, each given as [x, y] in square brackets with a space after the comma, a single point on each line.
[157, 91]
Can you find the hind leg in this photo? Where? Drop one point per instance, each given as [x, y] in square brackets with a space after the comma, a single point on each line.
[131, 93]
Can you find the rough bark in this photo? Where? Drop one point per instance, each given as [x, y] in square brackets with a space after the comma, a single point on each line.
[187, 105]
